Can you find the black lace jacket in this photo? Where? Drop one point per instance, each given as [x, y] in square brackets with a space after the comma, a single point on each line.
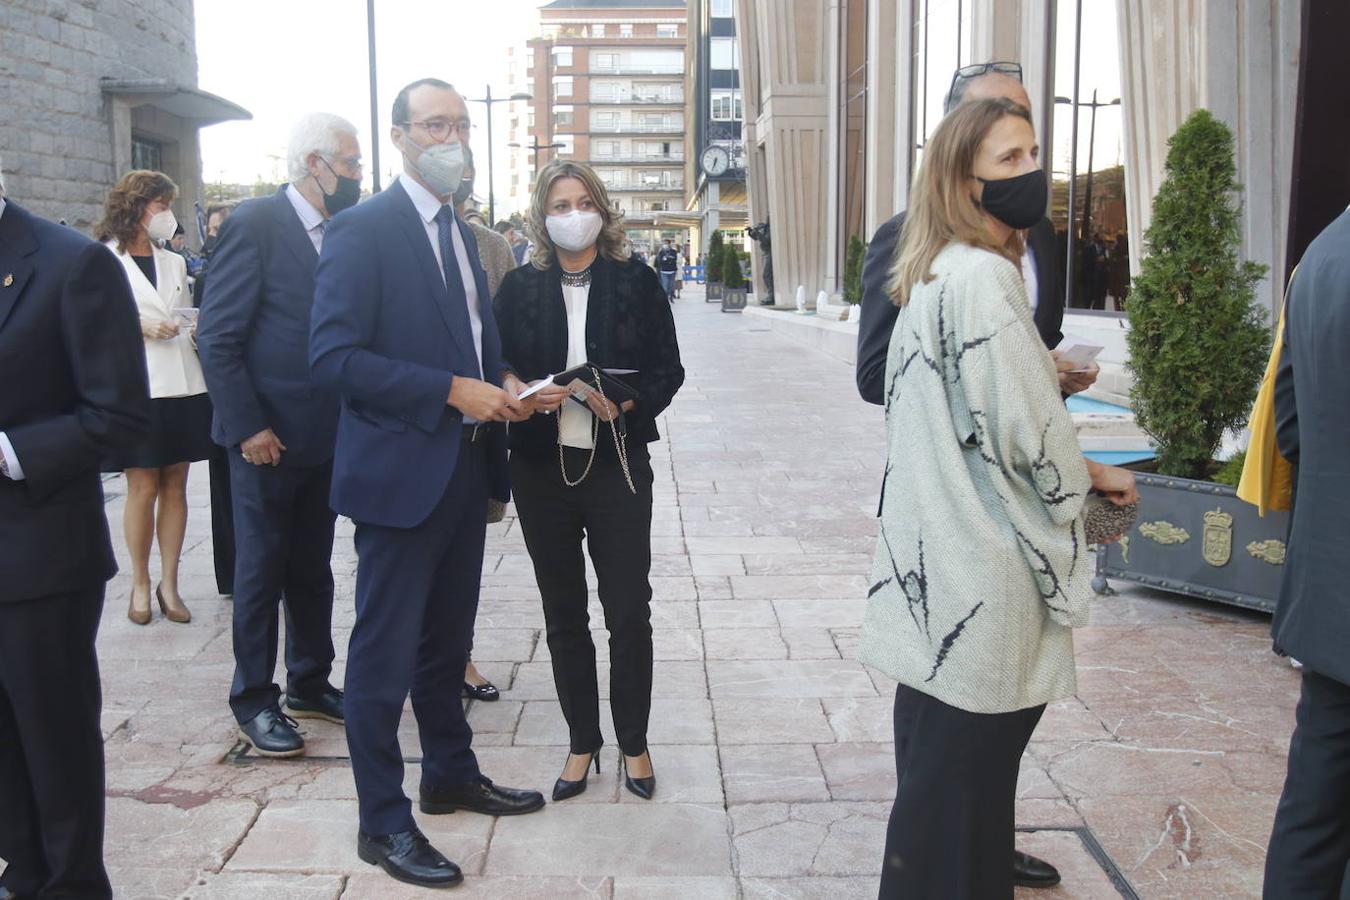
[628, 326]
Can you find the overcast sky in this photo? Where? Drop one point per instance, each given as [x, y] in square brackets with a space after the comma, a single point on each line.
[282, 58]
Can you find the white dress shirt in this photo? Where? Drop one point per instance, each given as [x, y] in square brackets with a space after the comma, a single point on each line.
[427, 207]
[310, 218]
[575, 422]
[1030, 278]
[6, 448]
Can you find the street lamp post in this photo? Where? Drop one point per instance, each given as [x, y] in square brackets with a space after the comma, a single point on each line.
[534, 147]
[1092, 135]
[374, 110]
[487, 100]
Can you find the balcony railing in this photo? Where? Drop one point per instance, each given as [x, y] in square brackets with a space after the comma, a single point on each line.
[630, 187]
[635, 128]
[631, 69]
[639, 159]
[640, 100]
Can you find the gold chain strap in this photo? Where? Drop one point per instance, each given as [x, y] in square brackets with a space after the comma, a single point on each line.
[620, 442]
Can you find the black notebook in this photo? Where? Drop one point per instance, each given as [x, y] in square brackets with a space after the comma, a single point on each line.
[580, 380]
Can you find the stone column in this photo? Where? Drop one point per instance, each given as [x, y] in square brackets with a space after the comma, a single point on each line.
[787, 74]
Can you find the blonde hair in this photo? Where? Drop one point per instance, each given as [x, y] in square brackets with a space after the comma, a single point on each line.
[611, 243]
[941, 210]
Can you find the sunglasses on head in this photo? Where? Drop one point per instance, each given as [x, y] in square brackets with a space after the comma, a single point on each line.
[965, 73]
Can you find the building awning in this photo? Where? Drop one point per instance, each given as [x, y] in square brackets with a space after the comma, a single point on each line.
[179, 100]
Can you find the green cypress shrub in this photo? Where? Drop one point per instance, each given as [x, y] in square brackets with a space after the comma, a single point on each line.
[853, 266]
[1198, 341]
[715, 251]
[732, 276]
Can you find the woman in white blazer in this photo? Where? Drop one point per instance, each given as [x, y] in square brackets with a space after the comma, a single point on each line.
[135, 219]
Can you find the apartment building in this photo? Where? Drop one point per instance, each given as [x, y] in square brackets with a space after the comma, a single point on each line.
[607, 78]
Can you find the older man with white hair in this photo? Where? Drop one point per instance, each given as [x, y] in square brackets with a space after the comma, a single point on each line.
[279, 431]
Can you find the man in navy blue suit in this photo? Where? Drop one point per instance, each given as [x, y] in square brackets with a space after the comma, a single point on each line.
[72, 391]
[403, 331]
[279, 431]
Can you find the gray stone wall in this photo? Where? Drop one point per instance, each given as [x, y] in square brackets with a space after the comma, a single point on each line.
[56, 137]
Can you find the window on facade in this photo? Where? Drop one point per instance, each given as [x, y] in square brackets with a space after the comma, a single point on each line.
[606, 149]
[562, 57]
[724, 53]
[723, 9]
[530, 120]
[657, 206]
[604, 91]
[562, 85]
[606, 62]
[569, 144]
[625, 31]
[667, 31]
[146, 154]
[606, 121]
[597, 30]
[726, 106]
[563, 116]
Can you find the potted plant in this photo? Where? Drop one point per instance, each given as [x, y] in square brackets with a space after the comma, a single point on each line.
[733, 281]
[853, 266]
[1198, 345]
[715, 261]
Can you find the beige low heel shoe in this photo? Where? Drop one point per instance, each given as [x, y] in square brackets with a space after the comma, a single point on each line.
[174, 613]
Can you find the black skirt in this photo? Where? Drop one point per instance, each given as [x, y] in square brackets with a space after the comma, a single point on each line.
[180, 431]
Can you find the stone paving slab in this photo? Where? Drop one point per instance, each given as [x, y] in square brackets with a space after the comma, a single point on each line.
[772, 744]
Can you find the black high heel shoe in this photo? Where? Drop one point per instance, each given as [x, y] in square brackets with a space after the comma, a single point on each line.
[486, 692]
[564, 789]
[643, 787]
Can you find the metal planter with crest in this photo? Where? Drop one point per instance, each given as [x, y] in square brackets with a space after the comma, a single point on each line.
[1197, 538]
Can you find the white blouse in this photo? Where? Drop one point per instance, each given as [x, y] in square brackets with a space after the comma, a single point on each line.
[575, 420]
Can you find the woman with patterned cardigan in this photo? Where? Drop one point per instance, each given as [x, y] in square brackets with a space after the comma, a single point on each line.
[982, 567]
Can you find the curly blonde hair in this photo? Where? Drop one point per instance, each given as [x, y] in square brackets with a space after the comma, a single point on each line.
[125, 207]
[611, 243]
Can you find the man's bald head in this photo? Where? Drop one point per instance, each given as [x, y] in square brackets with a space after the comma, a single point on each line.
[989, 86]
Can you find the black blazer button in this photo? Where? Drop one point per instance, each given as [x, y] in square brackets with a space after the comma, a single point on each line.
[591, 345]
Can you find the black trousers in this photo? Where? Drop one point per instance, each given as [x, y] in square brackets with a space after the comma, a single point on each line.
[1309, 853]
[51, 747]
[617, 526]
[416, 597]
[284, 547]
[222, 518]
[952, 827]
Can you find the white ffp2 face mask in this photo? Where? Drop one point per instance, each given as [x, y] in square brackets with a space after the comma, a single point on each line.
[162, 225]
[574, 231]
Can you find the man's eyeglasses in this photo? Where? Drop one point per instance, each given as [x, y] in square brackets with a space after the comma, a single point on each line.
[353, 163]
[440, 129]
[965, 73]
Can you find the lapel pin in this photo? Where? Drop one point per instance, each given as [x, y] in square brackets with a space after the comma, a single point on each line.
[9, 279]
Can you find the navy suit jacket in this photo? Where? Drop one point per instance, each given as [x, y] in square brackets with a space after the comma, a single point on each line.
[73, 390]
[253, 337]
[389, 338]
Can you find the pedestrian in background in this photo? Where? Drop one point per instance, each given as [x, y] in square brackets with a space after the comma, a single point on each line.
[222, 509]
[75, 393]
[585, 471]
[668, 267]
[981, 569]
[136, 217]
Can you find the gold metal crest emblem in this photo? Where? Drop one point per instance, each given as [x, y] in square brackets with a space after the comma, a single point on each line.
[1217, 547]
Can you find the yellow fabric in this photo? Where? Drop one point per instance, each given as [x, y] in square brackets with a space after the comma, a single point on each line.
[1267, 477]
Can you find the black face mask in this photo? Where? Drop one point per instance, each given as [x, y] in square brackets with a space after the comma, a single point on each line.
[209, 245]
[344, 196]
[1016, 202]
[463, 192]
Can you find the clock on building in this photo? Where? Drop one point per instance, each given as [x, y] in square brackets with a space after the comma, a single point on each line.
[716, 161]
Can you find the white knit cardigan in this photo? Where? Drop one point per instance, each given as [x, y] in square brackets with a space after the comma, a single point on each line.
[981, 568]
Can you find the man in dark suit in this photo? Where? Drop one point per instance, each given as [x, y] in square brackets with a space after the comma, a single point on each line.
[72, 390]
[403, 331]
[1044, 288]
[279, 430]
[1045, 282]
[1309, 853]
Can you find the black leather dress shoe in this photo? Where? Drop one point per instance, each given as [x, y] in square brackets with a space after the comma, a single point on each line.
[409, 857]
[1028, 871]
[7, 894]
[480, 796]
[327, 705]
[272, 733]
[487, 692]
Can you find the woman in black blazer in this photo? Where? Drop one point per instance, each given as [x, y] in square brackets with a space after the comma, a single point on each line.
[584, 470]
